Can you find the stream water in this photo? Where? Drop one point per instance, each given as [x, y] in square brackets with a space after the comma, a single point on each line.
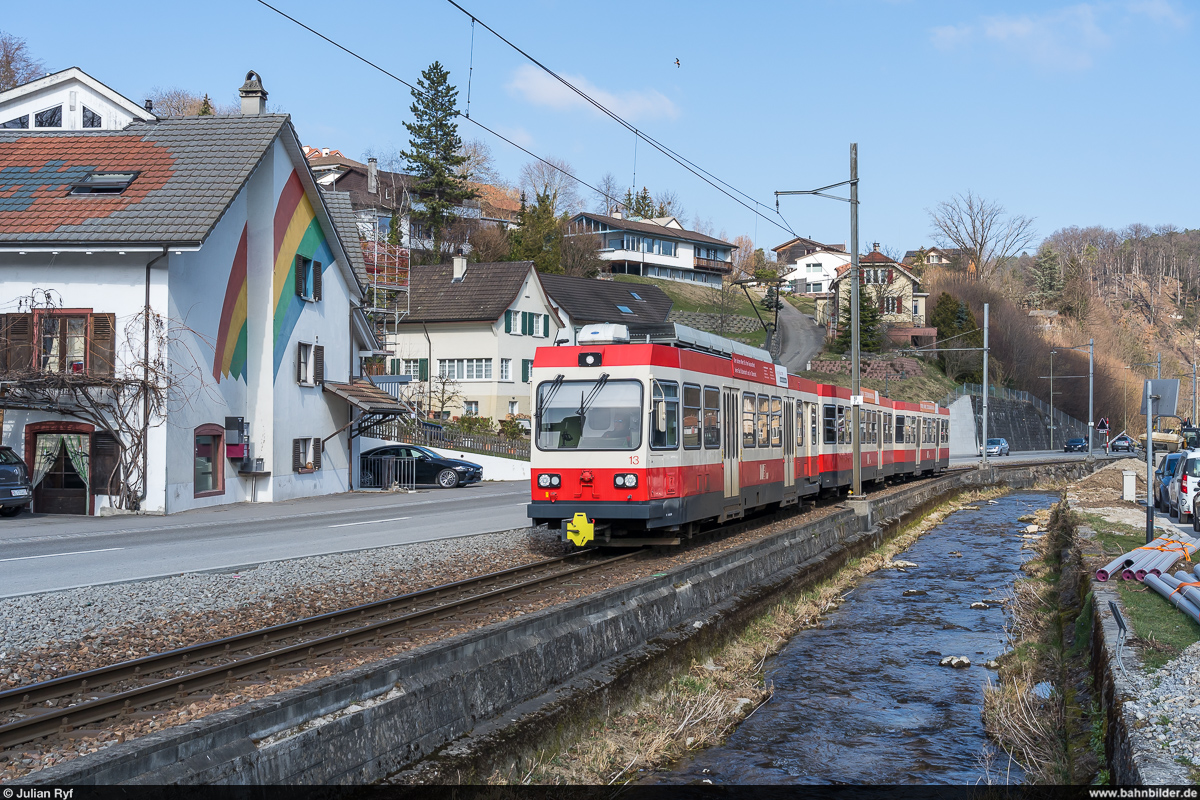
[862, 700]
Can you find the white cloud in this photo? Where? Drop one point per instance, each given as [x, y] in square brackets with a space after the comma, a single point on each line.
[539, 88]
[1068, 38]
[518, 135]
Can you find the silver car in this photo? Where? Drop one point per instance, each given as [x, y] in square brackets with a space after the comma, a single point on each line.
[996, 447]
[1184, 484]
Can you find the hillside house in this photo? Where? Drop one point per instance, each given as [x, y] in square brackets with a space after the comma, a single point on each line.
[195, 256]
[889, 285]
[656, 248]
[68, 100]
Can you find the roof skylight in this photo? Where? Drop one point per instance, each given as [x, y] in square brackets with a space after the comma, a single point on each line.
[104, 183]
[624, 309]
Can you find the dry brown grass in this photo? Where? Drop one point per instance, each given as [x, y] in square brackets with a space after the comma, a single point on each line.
[700, 706]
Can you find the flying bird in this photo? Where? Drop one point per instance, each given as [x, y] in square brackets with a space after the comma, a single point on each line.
[677, 62]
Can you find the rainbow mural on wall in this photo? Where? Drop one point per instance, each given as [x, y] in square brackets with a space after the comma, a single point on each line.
[297, 232]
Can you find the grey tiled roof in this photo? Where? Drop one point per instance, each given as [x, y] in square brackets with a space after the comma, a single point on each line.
[342, 215]
[589, 301]
[191, 169]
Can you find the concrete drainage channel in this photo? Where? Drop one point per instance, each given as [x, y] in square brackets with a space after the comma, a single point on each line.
[451, 711]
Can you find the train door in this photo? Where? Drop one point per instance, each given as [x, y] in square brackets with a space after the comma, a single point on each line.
[731, 442]
[789, 445]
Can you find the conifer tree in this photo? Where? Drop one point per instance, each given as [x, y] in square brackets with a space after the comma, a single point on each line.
[1047, 278]
[870, 337]
[539, 237]
[434, 156]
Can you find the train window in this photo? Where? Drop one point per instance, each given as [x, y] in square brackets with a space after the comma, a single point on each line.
[872, 427]
[691, 416]
[589, 415]
[665, 393]
[843, 433]
[899, 429]
[799, 425]
[776, 422]
[910, 431]
[830, 425]
[887, 428]
[764, 420]
[863, 425]
[712, 417]
[812, 415]
[945, 431]
[748, 406]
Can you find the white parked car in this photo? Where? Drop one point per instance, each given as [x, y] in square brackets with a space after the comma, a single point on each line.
[1184, 485]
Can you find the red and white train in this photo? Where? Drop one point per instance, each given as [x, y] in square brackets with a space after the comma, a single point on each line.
[637, 443]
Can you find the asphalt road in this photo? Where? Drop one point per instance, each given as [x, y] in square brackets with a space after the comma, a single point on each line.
[40, 553]
[1030, 455]
[800, 338]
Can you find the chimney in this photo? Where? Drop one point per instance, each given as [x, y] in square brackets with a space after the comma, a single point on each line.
[875, 247]
[460, 268]
[149, 105]
[254, 96]
[324, 151]
[616, 214]
[372, 175]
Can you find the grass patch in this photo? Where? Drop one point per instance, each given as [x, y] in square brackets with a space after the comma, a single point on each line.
[699, 706]
[806, 304]
[1161, 632]
[931, 384]
[690, 297]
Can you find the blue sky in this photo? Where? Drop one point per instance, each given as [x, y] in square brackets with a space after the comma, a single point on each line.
[1074, 114]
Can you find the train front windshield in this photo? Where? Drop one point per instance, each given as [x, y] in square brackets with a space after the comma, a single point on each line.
[589, 415]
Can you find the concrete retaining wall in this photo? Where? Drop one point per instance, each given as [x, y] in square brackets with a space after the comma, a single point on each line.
[376, 720]
[495, 468]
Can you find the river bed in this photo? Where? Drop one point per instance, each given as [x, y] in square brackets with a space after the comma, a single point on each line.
[862, 699]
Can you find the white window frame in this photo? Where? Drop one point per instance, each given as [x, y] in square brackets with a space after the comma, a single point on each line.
[470, 408]
[514, 407]
[304, 356]
[506, 369]
[412, 368]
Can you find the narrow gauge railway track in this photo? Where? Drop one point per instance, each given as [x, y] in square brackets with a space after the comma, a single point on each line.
[172, 675]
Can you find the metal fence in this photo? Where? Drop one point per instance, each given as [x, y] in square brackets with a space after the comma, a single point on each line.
[449, 439]
[1063, 422]
[387, 472]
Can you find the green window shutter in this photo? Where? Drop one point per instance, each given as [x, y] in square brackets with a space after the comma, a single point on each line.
[524, 323]
[423, 369]
[545, 324]
[526, 369]
[508, 321]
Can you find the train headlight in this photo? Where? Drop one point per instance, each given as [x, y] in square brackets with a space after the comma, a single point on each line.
[555, 481]
[544, 480]
[625, 481]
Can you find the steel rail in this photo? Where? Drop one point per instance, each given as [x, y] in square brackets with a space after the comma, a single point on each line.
[55, 720]
[15, 699]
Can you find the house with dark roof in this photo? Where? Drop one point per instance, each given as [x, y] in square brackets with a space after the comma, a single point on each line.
[656, 248]
[469, 337]
[587, 301]
[194, 256]
[889, 285]
[810, 265]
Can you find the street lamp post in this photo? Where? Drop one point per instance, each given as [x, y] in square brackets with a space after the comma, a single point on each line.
[1052, 354]
[856, 377]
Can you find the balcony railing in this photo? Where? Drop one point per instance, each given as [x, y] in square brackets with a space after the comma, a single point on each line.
[711, 264]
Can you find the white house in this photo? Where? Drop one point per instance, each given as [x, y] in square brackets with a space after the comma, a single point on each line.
[815, 273]
[656, 248]
[70, 100]
[473, 328]
[194, 255]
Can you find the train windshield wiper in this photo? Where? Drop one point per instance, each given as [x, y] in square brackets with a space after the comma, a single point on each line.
[585, 404]
[545, 401]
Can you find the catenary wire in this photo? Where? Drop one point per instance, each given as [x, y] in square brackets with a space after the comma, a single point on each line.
[684, 162]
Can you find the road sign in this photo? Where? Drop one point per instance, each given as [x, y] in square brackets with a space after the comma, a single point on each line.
[1167, 392]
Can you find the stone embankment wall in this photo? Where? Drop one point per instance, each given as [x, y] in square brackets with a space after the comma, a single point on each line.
[453, 710]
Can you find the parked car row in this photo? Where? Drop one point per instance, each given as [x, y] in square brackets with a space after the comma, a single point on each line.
[1176, 481]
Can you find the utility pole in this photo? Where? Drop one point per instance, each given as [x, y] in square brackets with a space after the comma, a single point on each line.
[1052, 352]
[856, 381]
[985, 383]
[1149, 464]
[1091, 359]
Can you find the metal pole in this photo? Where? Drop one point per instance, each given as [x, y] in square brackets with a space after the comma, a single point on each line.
[1160, 366]
[855, 383]
[1052, 399]
[1091, 354]
[1193, 420]
[985, 383]
[1149, 467]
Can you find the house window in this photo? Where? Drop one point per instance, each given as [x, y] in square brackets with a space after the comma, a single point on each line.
[304, 363]
[104, 183]
[19, 122]
[513, 408]
[668, 248]
[412, 368]
[526, 369]
[209, 450]
[812, 268]
[471, 408]
[50, 118]
[308, 278]
[306, 455]
[506, 370]
[91, 119]
[469, 369]
[63, 344]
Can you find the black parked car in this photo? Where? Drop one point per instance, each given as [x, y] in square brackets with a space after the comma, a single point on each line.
[15, 490]
[1075, 445]
[383, 466]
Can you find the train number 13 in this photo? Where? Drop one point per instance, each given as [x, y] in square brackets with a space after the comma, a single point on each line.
[634, 460]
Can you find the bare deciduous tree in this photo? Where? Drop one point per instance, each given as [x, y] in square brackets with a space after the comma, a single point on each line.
[490, 243]
[743, 257]
[607, 200]
[553, 180]
[982, 230]
[17, 65]
[668, 204]
[176, 102]
[480, 164]
[579, 258]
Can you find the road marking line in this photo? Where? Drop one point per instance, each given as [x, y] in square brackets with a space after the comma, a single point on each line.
[52, 555]
[367, 522]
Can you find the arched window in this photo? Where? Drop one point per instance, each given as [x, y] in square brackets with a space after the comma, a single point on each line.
[209, 460]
